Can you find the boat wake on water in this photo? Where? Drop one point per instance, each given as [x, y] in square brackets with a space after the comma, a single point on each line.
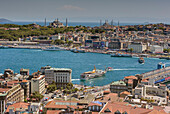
[131, 69]
[75, 79]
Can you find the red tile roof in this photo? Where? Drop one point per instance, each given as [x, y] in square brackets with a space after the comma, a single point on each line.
[117, 106]
[131, 77]
[18, 105]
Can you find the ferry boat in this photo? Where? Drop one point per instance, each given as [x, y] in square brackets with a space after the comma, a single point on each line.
[95, 73]
[53, 48]
[141, 60]
[120, 55]
[109, 69]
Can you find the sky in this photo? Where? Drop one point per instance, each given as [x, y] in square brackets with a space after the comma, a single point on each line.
[134, 11]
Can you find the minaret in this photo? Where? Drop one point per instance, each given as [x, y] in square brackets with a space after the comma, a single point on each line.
[100, 22]
[45, 22]
[66, 23]
[118, 23]
[112, 22]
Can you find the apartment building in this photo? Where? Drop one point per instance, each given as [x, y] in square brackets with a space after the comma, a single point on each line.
[156, 93]
[12, 93]
[138, 47]
[118, 87]
[61, 76]
[38, 84]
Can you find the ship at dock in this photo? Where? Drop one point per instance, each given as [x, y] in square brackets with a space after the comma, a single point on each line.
[95, 73]
[121, 55]
[52, 48]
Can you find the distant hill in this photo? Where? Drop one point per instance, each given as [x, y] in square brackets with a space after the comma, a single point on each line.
[4, 20]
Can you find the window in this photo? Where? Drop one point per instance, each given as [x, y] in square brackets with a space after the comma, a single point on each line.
[117, 112]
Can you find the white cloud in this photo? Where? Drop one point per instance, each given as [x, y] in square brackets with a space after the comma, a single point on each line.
[71, 7]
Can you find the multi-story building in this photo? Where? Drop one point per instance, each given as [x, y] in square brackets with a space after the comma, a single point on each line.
[24, 72]
[38, 84]
[115, 44]
[61, 76]
[12, 93]
[156, 49]
[118, 87]
[25, 84]
[138, 47]
[156, 93]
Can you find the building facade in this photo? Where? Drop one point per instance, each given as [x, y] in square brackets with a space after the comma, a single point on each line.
[61, 76]
[38, 84]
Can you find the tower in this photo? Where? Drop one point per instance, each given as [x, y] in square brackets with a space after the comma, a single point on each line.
[100, 22]
[45, 23]
[66, 23]
[112, 22]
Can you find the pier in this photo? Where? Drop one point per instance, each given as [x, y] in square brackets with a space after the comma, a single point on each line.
[157, 76]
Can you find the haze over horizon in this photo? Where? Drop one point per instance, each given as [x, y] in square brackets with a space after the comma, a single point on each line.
[134, 11]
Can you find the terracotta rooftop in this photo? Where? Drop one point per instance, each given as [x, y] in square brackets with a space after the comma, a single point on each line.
[125, 92]
[131, 77]
[112, 107]
[18, 105]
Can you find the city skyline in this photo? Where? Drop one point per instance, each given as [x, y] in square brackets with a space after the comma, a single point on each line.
[86, 11]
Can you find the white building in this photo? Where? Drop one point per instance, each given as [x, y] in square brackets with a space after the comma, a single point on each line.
[156, 48]
[137, 47]
[62, 76]
[157, 93]
[38, 84]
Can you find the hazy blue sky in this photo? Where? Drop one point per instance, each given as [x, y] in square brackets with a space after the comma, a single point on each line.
[86, 10]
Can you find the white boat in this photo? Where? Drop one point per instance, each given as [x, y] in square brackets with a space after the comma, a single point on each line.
[92, 74]
[53, 48]
[109, 69]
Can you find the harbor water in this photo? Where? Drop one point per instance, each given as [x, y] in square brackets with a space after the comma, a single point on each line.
[34, 59]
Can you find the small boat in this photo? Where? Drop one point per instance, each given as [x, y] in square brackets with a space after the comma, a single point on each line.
[109, 69]
[78, 50]
[141, 60]
[95, 73]
[53, 48]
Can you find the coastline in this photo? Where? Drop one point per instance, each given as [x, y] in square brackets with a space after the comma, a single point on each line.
[87, 51]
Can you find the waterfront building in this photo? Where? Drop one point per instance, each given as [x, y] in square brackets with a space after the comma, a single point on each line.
[24, 72]
[38, 84]
[156, 49]
[43, 69]
[61, 76]
[12, 93]
[115, 44]
[8, 73]
[118, 87]
[138, 47]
